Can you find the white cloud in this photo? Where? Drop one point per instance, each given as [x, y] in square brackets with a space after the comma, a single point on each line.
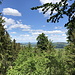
[54, 31]
[36, 32]
[10, 11]
[31, 35]
[57, 38]
[19, 26]
[32, 38]
[11, 24]
[9, 21]
[25, 38]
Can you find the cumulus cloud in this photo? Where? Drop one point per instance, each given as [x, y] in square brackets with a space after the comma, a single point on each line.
[10, 11]
[19, 26]
[9, 21]
[11, 24]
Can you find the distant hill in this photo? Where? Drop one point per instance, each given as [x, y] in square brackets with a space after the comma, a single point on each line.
[33, 44]
[60, 44]
[56, 44]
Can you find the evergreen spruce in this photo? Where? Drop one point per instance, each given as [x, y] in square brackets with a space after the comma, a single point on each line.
[42, 41]
[5, 48]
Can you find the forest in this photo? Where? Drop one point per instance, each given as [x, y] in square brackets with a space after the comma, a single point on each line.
[44, 58]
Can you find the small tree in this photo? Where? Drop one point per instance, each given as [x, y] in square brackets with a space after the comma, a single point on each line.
[42, 41]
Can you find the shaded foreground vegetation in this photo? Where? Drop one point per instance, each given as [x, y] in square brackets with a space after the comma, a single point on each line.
[33, 61]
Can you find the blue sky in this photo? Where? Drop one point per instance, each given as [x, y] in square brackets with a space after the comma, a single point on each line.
[24, 24]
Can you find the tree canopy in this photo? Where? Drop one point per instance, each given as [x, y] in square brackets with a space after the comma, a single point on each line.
[62, 8]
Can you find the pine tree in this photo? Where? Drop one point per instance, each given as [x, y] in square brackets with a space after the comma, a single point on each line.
[18, 46]
[5, 49]
[8, 50]
[42, 41]
[14, 53]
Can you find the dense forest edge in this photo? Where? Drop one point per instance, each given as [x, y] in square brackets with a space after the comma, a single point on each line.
[42, 58]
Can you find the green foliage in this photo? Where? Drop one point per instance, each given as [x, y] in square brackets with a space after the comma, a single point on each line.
[5, 48]
[8, 51]
[31, 62]
[42, 41]
[50, 46]
[71, 31]
[62, 8]
[15, 49]
[70, 49]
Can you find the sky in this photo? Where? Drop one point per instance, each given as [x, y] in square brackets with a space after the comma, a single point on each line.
[24, 24]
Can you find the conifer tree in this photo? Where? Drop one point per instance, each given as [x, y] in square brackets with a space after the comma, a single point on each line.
[18, 46]
[5, 48]
[14, 53]
[42, 41]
